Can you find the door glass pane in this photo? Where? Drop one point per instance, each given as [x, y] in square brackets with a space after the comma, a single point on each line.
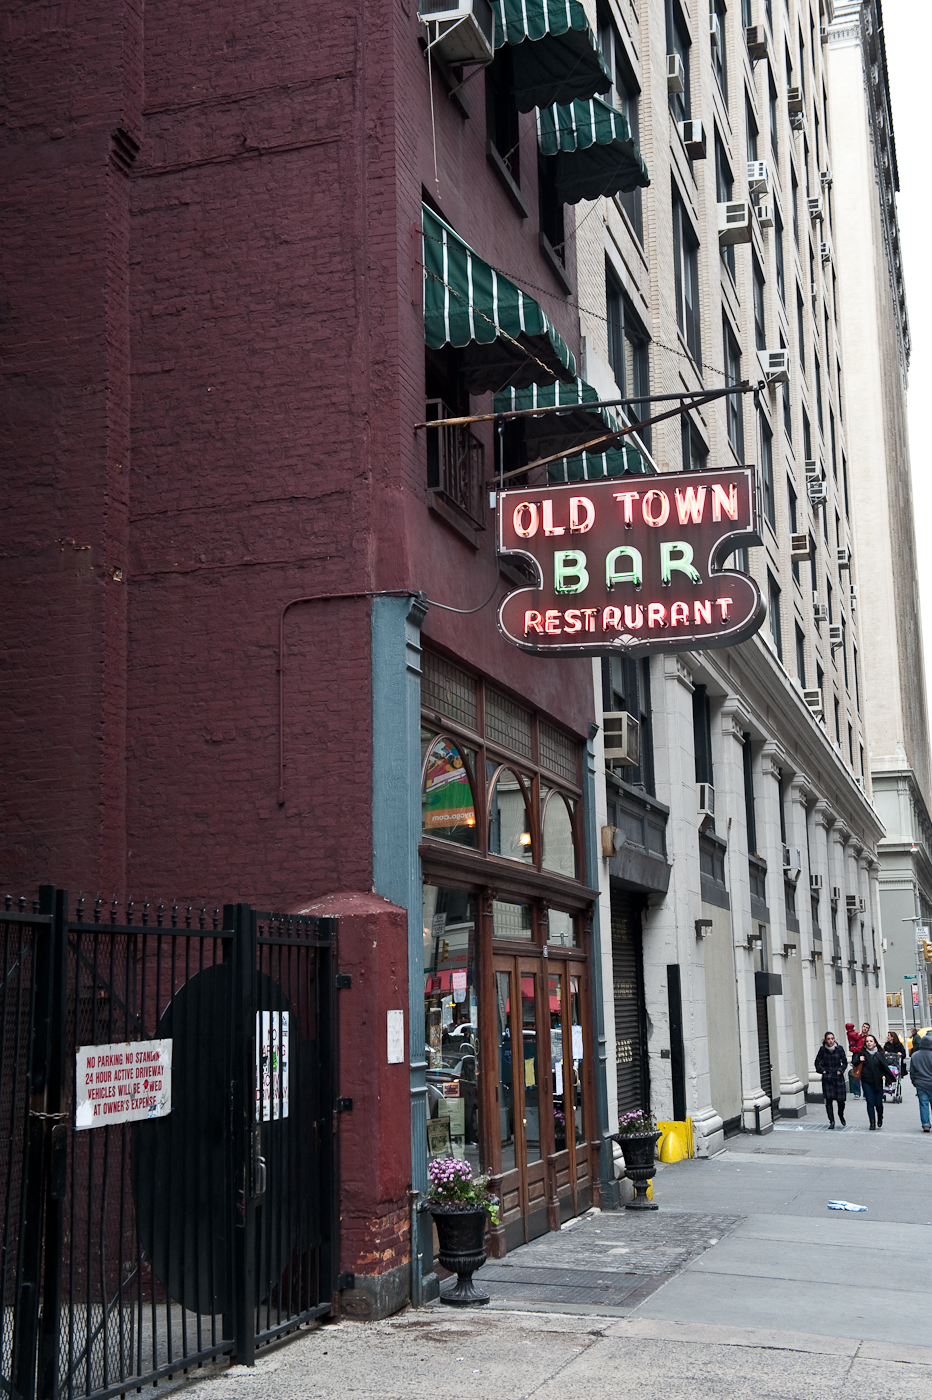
[575, 1080]
[506, 1094]
[555, 995]
[561, 928]
[451, 1016]
[511, 920]
[530, 1056]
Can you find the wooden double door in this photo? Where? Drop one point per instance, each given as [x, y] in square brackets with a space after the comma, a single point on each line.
[543, 1087]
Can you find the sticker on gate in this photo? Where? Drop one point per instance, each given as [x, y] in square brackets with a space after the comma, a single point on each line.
[122, 1083]
[271, 1065]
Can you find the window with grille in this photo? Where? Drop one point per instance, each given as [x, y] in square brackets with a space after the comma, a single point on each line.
[507, 723]
[447, 689]
[557, 752]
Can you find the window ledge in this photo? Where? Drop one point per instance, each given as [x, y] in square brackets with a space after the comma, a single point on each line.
[556, 266]
[506, 178]
[456, 519]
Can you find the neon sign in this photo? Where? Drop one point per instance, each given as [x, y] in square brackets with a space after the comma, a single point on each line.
[632, 564]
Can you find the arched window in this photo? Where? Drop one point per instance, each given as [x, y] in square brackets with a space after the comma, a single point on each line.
[448, 807]
[510, 828]
[557, 825]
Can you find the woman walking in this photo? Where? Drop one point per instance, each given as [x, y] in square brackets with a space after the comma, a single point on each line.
[874, 1072]
[830, 1063]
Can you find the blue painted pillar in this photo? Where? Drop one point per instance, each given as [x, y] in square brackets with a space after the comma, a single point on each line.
[396, 833]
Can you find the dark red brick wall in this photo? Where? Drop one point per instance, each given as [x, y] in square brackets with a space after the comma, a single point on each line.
[211, 373]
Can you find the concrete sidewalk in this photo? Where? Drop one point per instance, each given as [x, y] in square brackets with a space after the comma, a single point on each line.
[486, 1355]
[741, 1284]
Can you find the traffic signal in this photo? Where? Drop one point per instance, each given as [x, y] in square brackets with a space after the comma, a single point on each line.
[445, 950]
[927, 949]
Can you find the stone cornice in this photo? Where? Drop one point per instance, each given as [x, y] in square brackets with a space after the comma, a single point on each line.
[675, 666]
[824, 815]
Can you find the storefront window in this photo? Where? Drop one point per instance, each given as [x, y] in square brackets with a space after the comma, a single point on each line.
[448, 804]
[509, 817]
[511, 920]
[451, 1016]
[562, 929]
[559, 846]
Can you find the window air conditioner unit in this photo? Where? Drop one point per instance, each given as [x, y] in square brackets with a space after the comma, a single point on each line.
[825, 252]
[462, 32]
[844, 557]
[817, 493]
[814, 206]
[823, 33]
[706, 805]
[794, 100]
[775, 365]
[826, 177]
[814, 469]
[815, 882]
[792, 863]
[715, 31]
[852, 903]
[734, 222]
[814, 293]
[758, 177]
[622, 747]
[834, 635]
[799, 546]
[854, 596]
[676, 75]
[755, 36]
[765, 215]
[820, 612]
[836, 894]
[693, 134]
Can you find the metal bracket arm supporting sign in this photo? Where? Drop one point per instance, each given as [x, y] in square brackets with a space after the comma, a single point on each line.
[632, 564]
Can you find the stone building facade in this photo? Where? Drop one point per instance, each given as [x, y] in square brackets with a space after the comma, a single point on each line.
[756, 928]
[875, 345]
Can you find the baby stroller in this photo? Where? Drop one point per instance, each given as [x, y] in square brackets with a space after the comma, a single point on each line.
[893, 1093]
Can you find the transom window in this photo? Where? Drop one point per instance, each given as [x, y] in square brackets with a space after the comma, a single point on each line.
[496, 777]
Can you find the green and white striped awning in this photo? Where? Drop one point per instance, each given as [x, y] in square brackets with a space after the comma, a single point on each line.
[505, 336]
[555, 55]
[592, 150]
[558, 432]
[619, 461]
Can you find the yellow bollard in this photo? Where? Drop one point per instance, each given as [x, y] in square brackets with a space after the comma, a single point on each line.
[677, 1141]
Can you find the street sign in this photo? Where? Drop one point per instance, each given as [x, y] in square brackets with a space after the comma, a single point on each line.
[910, 977]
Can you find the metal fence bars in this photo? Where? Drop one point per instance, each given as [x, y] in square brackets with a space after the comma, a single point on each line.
[166, 1092]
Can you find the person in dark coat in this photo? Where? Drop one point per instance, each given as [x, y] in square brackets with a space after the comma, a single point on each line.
[831, 1062]
[920, 1072]
[874, 1073]
[894, 1045]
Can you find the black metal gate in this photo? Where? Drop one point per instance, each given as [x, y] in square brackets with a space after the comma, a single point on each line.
[147, 1229]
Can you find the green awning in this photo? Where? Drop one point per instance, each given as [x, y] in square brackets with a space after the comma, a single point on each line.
[619, 461]
[592, 150]
[558, 432]
[555, 55]
[505, 336]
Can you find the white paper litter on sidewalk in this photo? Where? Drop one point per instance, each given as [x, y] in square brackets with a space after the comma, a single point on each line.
[844, 1205]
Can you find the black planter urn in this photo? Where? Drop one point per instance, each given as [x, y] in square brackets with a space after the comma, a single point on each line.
[461, 1236]
[638, 1149]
